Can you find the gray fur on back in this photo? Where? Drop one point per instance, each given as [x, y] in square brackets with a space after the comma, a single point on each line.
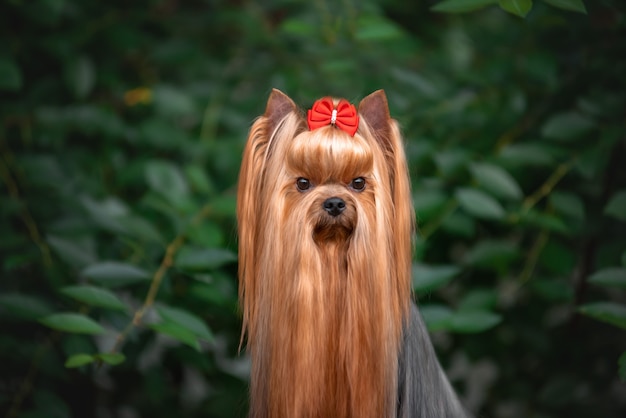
[423, 389]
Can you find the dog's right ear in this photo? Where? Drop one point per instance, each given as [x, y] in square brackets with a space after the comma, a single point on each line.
[278, 106]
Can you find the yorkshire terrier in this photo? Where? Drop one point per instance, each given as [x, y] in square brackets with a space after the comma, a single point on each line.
[325, 244]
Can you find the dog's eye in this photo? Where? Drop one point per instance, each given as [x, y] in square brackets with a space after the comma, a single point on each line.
[303, 184]
[358, 184]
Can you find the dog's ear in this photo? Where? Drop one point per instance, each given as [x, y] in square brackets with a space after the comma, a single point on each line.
[375, 110]
[278, 106]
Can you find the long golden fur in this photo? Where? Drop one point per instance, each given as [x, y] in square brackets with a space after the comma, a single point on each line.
[325, 298]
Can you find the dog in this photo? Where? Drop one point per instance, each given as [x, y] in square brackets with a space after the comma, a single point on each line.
[325, 225]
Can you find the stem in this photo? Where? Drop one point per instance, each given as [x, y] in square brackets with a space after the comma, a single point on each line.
[547, 187]
[157, 279]
[27, 219]
[533, 257]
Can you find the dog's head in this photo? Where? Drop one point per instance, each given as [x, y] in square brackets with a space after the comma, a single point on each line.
[329, 179]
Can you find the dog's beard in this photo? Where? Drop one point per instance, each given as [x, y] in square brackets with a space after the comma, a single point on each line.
[327, 304]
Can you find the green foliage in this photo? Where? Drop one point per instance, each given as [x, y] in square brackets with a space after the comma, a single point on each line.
[94, 296]
[609, 312]
[121, 138]
[617, 206]
[610, 277]
[72, 322]
[81, 359]
[517, 7]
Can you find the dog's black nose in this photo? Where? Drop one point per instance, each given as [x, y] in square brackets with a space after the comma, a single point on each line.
[334, 206]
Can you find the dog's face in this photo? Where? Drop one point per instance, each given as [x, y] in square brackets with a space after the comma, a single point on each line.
[329, 184]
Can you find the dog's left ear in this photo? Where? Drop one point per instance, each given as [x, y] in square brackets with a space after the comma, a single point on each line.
[375, 110]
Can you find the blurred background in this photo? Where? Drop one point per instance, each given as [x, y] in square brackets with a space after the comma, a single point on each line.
[122, 127]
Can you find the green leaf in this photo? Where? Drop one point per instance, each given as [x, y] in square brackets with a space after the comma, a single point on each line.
[162, 134]
[78, 360]
[167, 180]
[113, 273]
[470, 322]
[479, 204]
[479, 299]
[452, 162]
[376, 28]
[224, 205]
[558, 259]
[617, 206]
[298, 27]
[435, 316]
[199, 179]
[517, 7]
[207, 234]
[106, 213]
[622, 366]
[428, 203]
[337, 66]
[80, 76]
[460, 224]
[73, 323]
[202, 259]
[140, 228]
[111, 358]
[423, 86]
[220, 293]
[544, 221]
[609, 312]
[185, 320]
[23, 306]
[496, 180]
[427, 278]
[569, 204]
[170, 101]
[73, 252]
[526, 154]
[492, 254]
[10, 74]
[113, 215]
[94, 296]
[567, 125]
[609, 277]
[459, 6]
[572, 5]
[181, 334]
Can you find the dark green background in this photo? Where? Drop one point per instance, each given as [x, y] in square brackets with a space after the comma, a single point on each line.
[122, 127]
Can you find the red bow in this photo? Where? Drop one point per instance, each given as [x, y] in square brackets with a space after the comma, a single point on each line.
[324, 113]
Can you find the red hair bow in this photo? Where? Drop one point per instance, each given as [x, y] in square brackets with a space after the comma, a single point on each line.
[324, 113]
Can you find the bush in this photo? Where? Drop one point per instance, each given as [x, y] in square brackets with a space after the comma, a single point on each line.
[122, 132]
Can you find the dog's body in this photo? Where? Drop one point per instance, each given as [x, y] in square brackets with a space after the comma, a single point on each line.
[325, 226]
[423, 388]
